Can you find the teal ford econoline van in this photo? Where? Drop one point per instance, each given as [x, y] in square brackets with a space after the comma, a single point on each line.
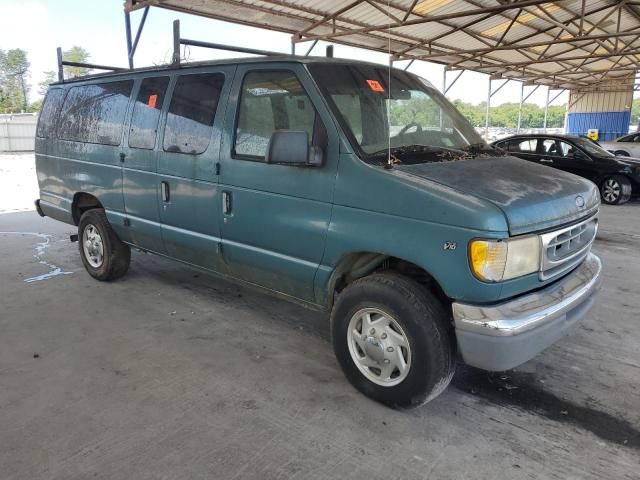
[341, 185]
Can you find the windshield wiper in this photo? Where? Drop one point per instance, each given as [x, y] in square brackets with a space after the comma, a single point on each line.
[417, 148]
[475, 149]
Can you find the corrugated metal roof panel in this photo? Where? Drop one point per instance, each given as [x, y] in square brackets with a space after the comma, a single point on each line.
[484, 35]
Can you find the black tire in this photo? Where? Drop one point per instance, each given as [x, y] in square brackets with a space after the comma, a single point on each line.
[621, 153]
[424, 322]
[615, 190]
[116, 255]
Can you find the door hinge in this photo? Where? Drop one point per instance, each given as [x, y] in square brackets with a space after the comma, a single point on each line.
[220, 248]
[122, 157]
[127, 222]
[217, 168]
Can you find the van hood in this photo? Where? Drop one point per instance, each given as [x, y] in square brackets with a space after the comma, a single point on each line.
[533, 197]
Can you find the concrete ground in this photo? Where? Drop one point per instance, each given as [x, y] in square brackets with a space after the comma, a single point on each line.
[174, 374]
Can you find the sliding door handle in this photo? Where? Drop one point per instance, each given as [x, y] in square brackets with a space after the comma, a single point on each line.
[166, 194]
[226, 202]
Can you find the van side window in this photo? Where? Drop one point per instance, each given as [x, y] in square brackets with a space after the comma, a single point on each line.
[49, 112]
[146, 112]
[271, 101]
[94, 113]
[191, 113]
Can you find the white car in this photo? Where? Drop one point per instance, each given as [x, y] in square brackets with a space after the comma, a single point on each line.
[627, 145]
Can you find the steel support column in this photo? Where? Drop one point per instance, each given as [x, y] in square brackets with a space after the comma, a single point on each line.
[522, 100]
[520, 107]
[127, 29]
[490, 93]
[546, 106]
[133, 45]
[445, 87]
[546, 111]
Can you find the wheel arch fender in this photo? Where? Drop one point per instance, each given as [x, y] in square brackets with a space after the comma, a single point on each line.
[359, 264]
[83, 201]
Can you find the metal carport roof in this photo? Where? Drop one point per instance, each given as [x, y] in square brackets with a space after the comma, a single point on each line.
[573, 44]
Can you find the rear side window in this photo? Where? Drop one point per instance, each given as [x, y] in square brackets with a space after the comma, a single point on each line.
[146, 112]
[526, 146]
[191, 113]
[271, 101]
[49, 113]
[94, 113]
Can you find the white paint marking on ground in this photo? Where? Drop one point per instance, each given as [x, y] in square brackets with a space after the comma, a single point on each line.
[40, 248]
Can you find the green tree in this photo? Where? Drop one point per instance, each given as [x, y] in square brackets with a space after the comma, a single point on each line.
[506, 115]
[49, 78]
[79, 55]
[35, 106]
[15, 80]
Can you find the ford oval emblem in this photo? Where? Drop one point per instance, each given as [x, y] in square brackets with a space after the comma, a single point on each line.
[579, 201]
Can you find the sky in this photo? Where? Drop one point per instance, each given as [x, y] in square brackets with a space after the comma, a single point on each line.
[39, 26]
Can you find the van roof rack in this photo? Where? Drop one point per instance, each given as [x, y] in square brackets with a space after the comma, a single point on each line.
[62, 63]
[176, 58]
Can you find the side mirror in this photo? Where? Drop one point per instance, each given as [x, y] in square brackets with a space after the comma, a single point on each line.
[291, 147]
[578, 155]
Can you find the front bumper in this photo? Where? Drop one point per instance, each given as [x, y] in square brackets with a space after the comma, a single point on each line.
[502, 336]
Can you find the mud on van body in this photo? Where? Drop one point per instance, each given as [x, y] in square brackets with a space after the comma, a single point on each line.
[334, 184]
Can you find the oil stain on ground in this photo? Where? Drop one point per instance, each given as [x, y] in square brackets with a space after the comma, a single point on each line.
[520, 389]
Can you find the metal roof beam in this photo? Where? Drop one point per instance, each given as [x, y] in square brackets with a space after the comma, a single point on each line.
[560, 41]
[432, 18]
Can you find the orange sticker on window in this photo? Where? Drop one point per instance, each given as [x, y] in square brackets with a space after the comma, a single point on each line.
[153, 99]
[375, 86]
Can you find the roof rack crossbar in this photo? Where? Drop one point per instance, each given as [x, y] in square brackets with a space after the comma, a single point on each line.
[177, 41]
[62, 63]
[230, 48]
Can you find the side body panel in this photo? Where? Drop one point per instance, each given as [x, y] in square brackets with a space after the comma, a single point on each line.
[140, 189]
[191, 218]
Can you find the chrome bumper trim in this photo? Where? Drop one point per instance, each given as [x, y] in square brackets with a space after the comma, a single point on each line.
[533, 310]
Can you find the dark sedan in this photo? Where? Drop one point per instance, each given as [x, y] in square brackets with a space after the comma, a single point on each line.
[617, 177]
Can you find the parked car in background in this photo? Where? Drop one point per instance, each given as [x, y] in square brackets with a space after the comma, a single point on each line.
[625, 146]
[617, 177]
[284, 173]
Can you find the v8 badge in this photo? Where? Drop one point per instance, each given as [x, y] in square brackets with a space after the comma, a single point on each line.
[450, 245]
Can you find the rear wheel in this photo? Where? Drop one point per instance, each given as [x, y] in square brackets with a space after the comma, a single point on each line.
[103, 254]
[615, 190]
[392, 340]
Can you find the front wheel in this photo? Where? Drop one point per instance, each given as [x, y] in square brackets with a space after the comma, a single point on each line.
[615, 190]
[392, 340]
[103, 254]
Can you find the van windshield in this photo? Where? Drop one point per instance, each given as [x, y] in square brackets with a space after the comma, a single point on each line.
[411, 117]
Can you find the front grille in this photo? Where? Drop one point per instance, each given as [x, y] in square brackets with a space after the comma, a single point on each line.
[564, 249]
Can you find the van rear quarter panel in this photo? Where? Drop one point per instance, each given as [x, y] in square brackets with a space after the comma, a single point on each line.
[71, 167]
[66, 167]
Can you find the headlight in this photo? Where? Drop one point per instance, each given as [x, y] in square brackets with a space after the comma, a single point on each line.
[497, 260]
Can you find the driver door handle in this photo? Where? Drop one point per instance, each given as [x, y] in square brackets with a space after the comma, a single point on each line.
[546, 160]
